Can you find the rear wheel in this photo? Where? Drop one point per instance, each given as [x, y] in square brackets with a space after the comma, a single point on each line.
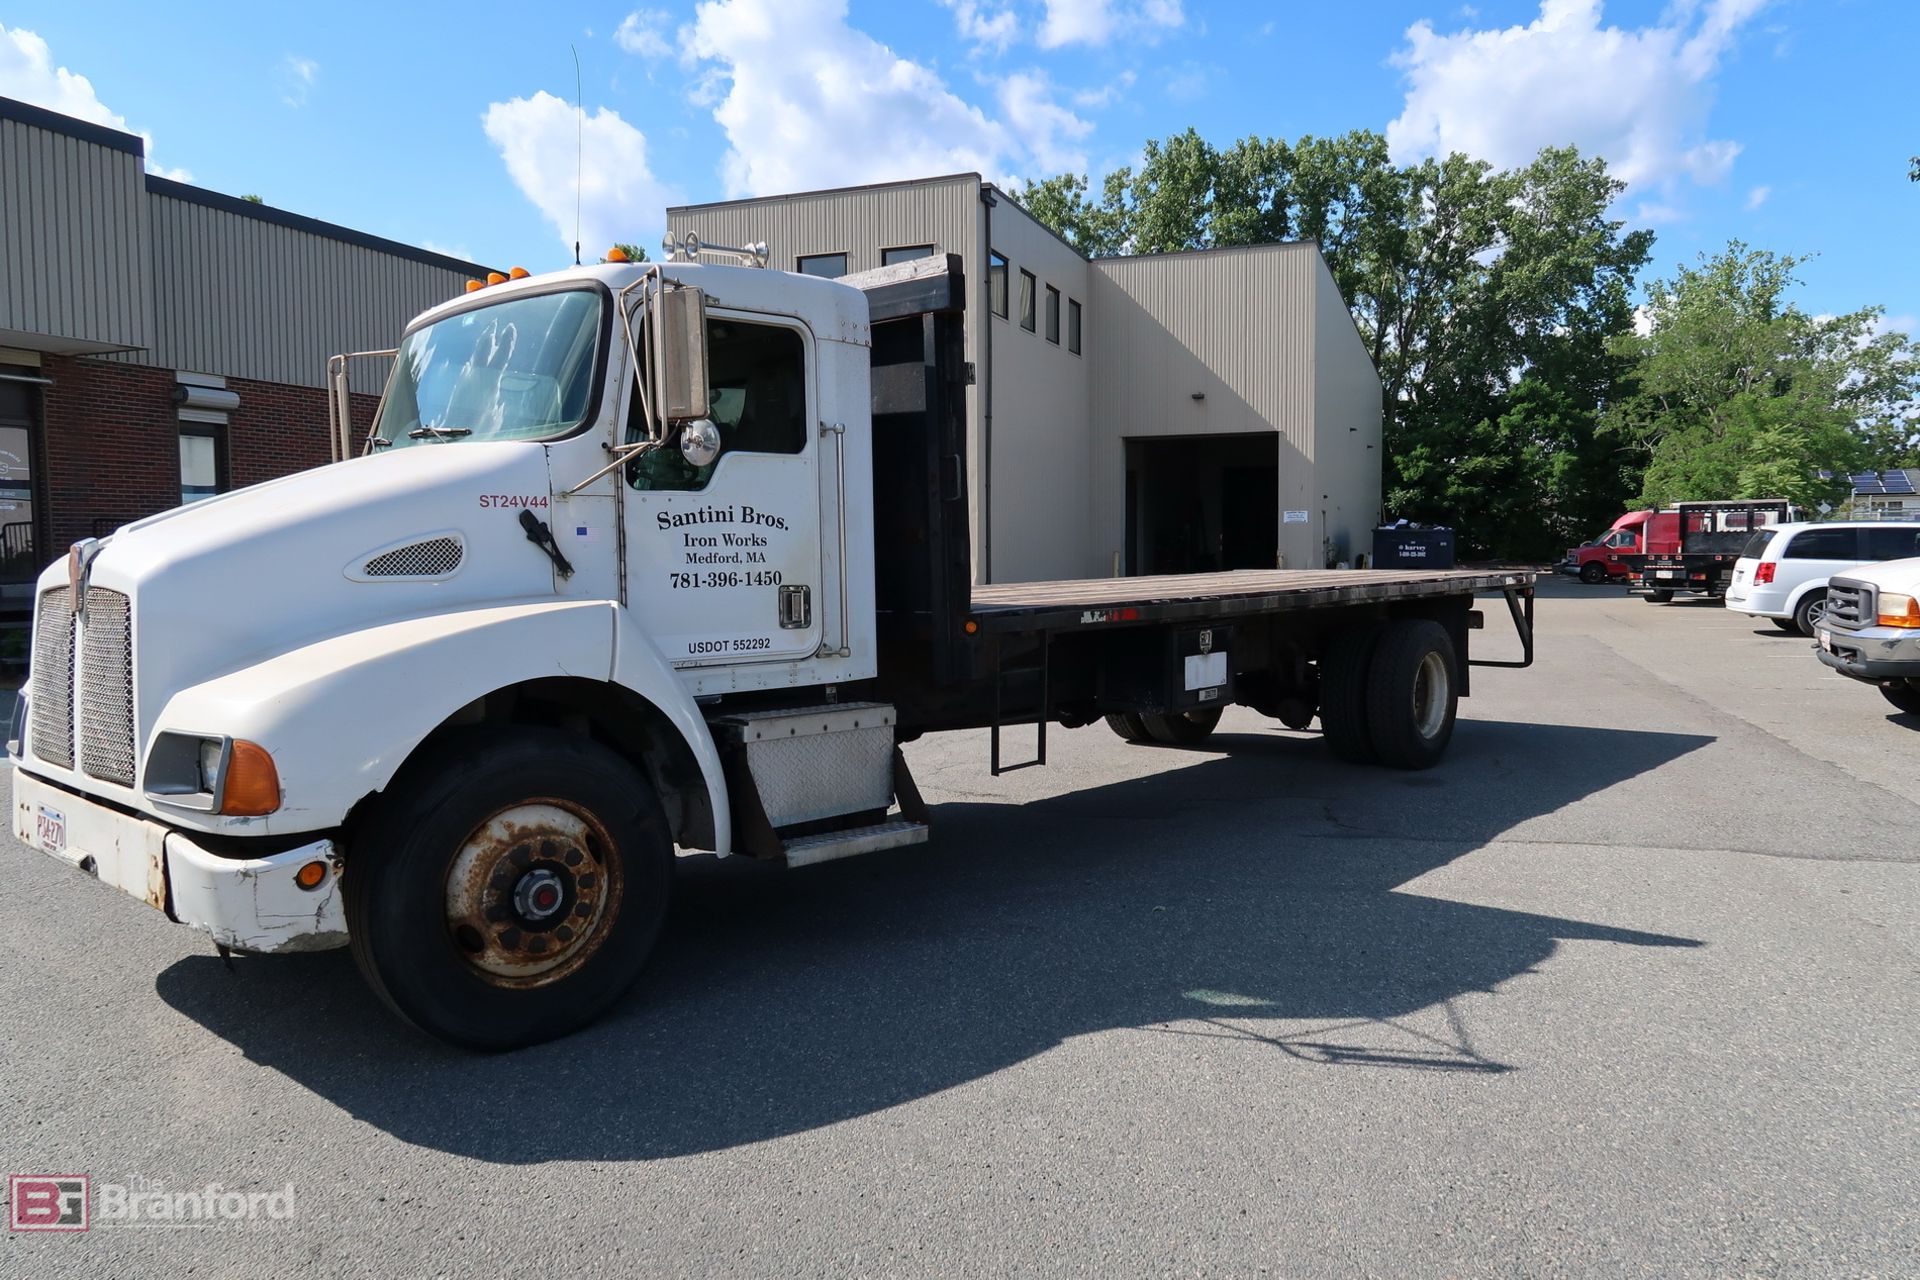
[1812, 608]
[1904, 694]
[1412, 694]
[509, 887]
[1182, 729]
[1660, 596]
[1129, 726]
[1593, 573]
[1344, 666]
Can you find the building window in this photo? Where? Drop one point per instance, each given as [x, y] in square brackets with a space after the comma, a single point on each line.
[1053, 315]
[997, 283]
[829, 265]
[1027, 283]
[201, 463]
[907, 254]
[1073, 326]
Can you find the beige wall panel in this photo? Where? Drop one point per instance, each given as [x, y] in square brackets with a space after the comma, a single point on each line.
[1236, 326]
[1349, 454]
[73, 241]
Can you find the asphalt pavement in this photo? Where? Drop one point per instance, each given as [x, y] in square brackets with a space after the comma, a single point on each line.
[1625, 987]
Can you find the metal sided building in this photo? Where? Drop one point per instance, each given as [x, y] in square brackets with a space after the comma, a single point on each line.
[160, 342]
[1166, 413]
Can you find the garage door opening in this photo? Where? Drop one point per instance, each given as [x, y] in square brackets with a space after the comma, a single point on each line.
[1198, 504]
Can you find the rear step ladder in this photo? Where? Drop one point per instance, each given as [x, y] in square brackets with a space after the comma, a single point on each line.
[812, 784]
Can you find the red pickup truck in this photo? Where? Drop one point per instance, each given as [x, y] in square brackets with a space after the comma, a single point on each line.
[1636, 533]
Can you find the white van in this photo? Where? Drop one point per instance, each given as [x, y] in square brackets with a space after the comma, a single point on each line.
[1782, 572]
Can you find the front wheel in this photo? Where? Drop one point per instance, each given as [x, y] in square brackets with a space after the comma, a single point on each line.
[508, 887]
[1904, 694]
[1593, 573]
[1412, 694]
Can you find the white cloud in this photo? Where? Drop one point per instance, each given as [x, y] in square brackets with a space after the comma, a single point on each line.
[299, 75]
[1107, 94]
[459, 251]
[1048, 130]
[619, 200]
[1096, 22]
[1640, 97]
[808, 101]
[1758, 196]
[27, 72]
[983, 24]
[644, 32]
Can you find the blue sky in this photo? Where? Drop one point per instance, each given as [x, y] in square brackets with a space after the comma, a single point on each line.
[1785, 123]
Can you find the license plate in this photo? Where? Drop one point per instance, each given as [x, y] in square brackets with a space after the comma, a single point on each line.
[50, 829]
[1826, 642]
[1667, 573]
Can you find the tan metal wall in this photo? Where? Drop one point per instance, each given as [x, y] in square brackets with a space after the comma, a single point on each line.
[1041, 414]
[1237, 326]
[245, 297]
[1347, 414]
[73, 241]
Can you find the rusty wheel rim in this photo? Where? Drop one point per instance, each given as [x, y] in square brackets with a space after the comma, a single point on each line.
[532, 893]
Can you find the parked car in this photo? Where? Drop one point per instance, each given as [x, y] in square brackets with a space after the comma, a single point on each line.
[1871, 629]
[1783, 572]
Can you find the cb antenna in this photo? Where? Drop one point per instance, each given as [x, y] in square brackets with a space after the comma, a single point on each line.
[579, 149]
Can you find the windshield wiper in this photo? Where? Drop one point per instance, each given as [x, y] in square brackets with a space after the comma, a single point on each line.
[439, 433]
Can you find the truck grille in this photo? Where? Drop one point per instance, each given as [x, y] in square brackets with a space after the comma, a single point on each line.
[50, 689]
[1850, 605]
[103, 676]
[106, 687]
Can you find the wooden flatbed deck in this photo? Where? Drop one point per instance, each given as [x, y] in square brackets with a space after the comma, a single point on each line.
[1024, 606]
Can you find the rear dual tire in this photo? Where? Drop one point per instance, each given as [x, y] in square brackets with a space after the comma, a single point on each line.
[1661, 596]
[1178, 729]
[1390, 694]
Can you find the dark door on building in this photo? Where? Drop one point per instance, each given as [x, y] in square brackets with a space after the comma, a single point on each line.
[1196, 504]
[20, 542]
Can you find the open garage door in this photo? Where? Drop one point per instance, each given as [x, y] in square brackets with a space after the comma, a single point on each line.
[1199, 504]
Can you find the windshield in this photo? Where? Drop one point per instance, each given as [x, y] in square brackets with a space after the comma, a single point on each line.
[518, 370]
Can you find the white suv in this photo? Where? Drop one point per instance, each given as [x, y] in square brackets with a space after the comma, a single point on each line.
[1782, 572]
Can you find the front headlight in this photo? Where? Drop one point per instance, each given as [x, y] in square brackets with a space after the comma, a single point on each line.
[212, 775]
[1898, 611]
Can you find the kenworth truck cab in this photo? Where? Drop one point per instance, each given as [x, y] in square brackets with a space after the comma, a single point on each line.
[635, 558]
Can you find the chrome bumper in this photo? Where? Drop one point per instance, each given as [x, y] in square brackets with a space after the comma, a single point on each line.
[249, 904]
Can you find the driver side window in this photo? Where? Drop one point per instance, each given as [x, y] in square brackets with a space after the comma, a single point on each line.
[757, 384]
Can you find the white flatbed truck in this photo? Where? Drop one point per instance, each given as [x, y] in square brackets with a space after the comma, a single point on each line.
[637, 559]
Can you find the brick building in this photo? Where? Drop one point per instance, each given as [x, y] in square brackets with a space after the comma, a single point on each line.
[160, 343]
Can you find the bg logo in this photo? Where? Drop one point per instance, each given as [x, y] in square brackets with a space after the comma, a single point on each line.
[46, 1202]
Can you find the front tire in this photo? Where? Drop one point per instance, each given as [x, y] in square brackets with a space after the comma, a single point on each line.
[1904, 694]
[508, 887]
[1812, 608]
[1413, 694]
[1593, 573]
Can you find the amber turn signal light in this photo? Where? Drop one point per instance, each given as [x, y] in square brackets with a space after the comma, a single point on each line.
[474, 286]
[311, 876]
[518, 273]
[253, 784]
[494, 277]
[617, 254]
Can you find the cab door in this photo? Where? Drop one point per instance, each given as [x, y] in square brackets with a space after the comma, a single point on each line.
[724, 561]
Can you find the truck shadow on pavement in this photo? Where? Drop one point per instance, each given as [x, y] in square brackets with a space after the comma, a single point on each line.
[1253, 895]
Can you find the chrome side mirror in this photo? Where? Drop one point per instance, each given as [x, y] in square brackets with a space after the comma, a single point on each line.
[699, 442]
[682, 328]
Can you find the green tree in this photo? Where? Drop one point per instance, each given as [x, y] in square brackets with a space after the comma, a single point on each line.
[1734, 392]
[633, 251]
[1486, 299]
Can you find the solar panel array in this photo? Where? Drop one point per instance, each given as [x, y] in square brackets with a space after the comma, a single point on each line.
[1871, 483]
